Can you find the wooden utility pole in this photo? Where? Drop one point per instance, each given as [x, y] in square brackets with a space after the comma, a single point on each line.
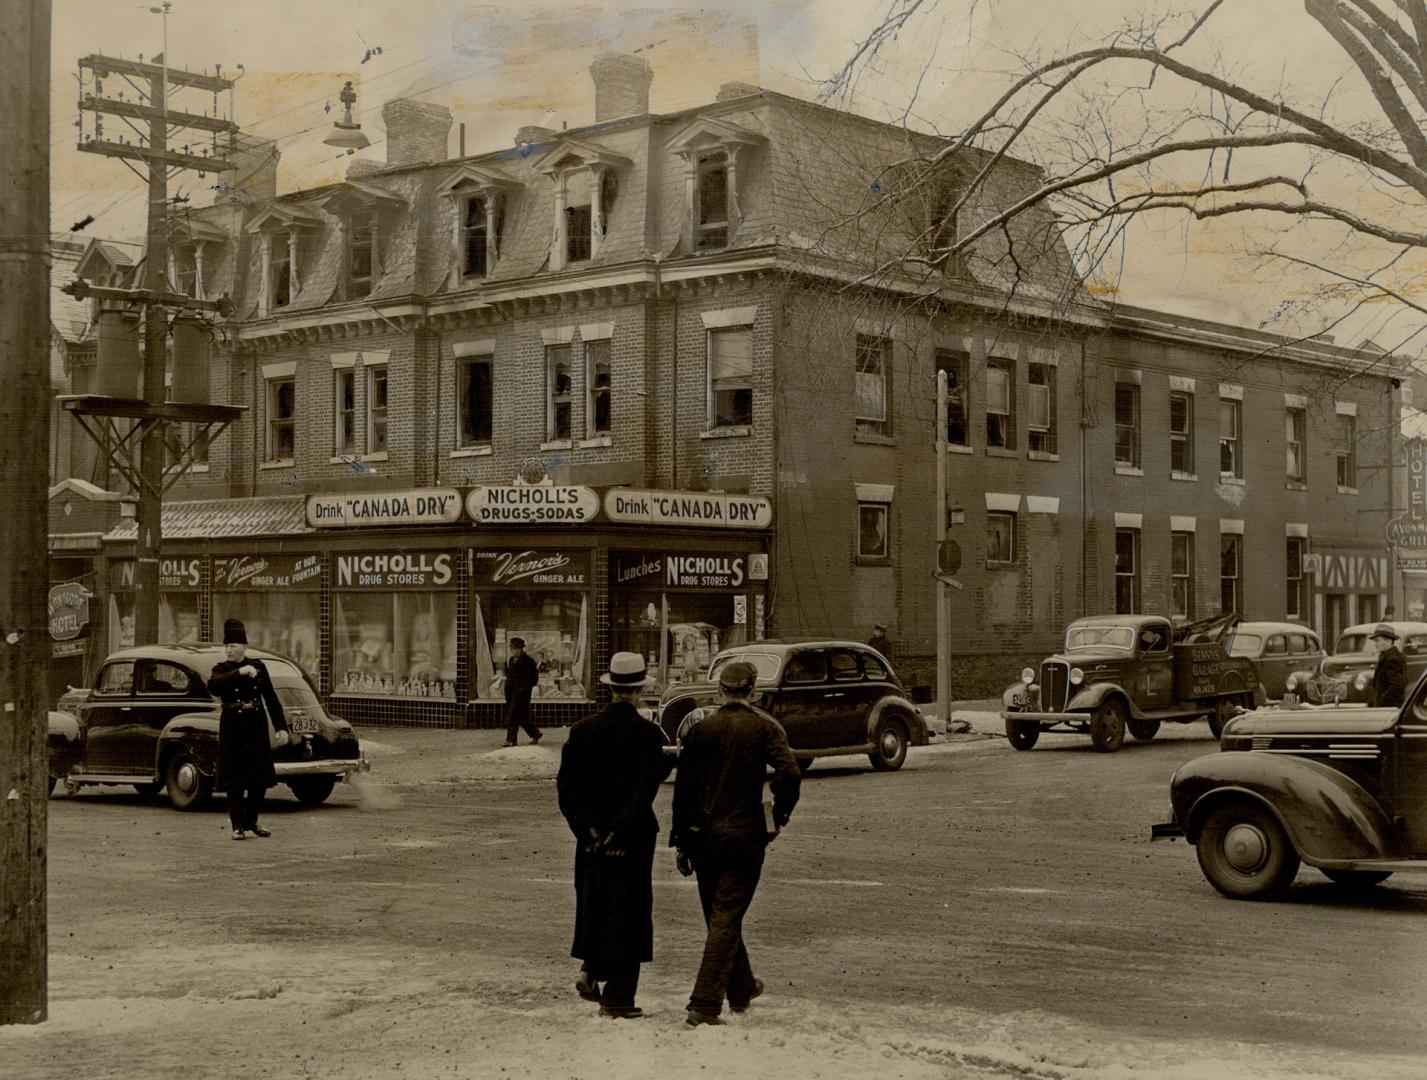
[24, 570]
[154, 151]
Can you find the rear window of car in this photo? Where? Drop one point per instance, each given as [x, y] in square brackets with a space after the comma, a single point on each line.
[872, 667]
[844, 665]
[1302, 643]
[1277, 645]
[1353, 643]
[805, 667]
[157, 677]
[765, 664]
[1244, 644]
[116, 679]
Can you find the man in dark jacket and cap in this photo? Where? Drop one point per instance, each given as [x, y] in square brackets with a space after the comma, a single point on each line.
[721, 833]
[610, 770]
[245, 760]
[1389, 678]
[522, 675]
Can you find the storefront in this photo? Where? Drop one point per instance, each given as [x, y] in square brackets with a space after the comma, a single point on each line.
[182, 585]
[278, 598]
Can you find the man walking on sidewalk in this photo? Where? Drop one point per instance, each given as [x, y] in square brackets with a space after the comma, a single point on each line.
[721, 834]
[521, 677]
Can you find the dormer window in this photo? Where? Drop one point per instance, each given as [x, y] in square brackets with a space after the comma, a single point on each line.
[475, 237]
[279, 271]
[713, 151]
[279, 229]
[711, 228]
[585, 179]
[184, 272]
[478, 197]
[365, 213]
[361, 256]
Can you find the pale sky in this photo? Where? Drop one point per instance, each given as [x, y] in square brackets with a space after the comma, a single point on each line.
[501, 65]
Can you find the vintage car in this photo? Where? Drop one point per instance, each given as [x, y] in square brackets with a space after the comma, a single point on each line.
[1276, 650]
[833, 698]
[1342, 788]
[1346, 674]
[1130, 672]
[150, 721]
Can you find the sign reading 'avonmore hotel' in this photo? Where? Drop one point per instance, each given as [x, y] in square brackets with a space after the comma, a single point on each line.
[640, 507]
[426, 506]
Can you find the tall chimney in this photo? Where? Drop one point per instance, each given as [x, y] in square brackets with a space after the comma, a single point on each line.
[416, 131]
[621, 86]
[254, 179]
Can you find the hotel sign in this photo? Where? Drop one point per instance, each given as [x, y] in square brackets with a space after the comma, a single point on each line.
[425, 506]
[1409, 531]
[532, 504]
[68, 611]
[635, 506]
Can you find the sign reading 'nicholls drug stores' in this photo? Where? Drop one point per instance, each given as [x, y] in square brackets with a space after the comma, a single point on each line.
[396, 570]
[639, 507]
[532, 504]
[428, 506]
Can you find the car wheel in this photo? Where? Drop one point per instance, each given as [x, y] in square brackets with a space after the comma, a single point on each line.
[188, 787]
[891, 747]
[1022, 734]
[312, 790]
[148, 790]
[1107, 727]
[1222, 714]
[1245, 853]
[804, 764]
[1358, 879]
[1144, 730]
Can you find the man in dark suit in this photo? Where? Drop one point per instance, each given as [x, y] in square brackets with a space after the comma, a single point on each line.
[521, 677]
[1389, 678]
[245, 762]
[880, 641]
[610, 770]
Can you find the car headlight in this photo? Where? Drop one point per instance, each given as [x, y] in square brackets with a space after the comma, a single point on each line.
[1076, 676]
[1361, 682]
[1028, 675]
[1291, 682]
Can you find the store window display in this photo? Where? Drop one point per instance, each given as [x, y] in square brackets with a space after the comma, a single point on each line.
[395, 644]
[284, 623]
[678, 633]
[555, 626]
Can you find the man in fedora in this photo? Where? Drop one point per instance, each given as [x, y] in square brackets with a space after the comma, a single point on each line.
[1389, 678]
[610, 770]
[721, 833]
[521, 676]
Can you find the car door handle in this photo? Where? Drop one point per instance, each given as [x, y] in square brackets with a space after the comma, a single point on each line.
[834, 695]
[126, 708]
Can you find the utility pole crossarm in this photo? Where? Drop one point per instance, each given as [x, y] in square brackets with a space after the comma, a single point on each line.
[134, 111]
[82, 290]
[109, 65]
[168, 157]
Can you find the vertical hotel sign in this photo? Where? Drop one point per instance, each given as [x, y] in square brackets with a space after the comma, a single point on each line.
[1408, 532]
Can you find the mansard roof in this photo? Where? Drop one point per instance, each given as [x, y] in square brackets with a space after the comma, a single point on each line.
[280, 215]
[355, 195]
[471, 175]
[570, 151]
[711, 131]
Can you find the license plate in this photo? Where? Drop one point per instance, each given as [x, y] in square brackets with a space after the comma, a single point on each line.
[1019, 699]
[300, 722]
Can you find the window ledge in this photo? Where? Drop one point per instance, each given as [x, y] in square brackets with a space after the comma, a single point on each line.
[872, 438]
[1042, 455]
[1236, 481]
[1184, 476]
[472, 451]
[1002, 451]
[727, 432]
[280, 463]
[170, 471]
[997, 564]
[380, 455]
[958, 448]
[872, 560]
[557, 444]
[596, 440]
[1294, 485]
[1347, 490]
[1129, 470]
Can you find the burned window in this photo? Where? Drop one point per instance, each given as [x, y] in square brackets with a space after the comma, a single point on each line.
[711, 202]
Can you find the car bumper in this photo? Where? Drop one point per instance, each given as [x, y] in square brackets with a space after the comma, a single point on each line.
[1169, 830]
[323, 767]
[1045, 718]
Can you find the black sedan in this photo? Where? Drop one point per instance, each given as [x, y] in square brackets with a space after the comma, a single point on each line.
[150, 721]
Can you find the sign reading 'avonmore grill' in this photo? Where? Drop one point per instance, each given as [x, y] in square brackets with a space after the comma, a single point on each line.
[427, 506]
[639, 507]
[532, 504]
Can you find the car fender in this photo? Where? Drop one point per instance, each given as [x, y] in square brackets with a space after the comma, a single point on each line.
[1328, 817]
[894, 705]
[1093, 696]
[198, 733]
[64, 742]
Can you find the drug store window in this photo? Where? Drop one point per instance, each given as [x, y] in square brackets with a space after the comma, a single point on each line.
[180, 586]
[394, 624]
[278, 598]
[681, 608]
[541, 596]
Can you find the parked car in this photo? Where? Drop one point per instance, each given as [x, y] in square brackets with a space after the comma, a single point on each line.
[1129, 672]
[1346, 674]
[1276, 650]
[150, 721]
[1341, 788]
[833, 698]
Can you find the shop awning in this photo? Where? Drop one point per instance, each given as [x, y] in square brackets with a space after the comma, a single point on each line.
[218, 519]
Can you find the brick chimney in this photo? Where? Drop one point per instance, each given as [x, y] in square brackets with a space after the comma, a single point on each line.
[361, 167]
[534, 133]
[731, 90]
[256, 170]
[416, 131]
[621, 86]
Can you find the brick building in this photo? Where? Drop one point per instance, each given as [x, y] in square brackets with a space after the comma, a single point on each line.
[665, 382]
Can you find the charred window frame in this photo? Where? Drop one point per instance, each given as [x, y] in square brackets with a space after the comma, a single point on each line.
[711, 201]
[958, 392]
[598, 416]
[475, 396]
[559, 383]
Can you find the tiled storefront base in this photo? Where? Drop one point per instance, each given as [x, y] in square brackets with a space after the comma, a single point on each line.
[407, 712]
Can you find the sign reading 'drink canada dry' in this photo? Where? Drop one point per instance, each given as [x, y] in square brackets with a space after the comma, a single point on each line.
[267, 572]
[671, 570]
[532, 504]
[523, 569]
[68, 610]
[640, 507]
[427, 506]
[396, 570]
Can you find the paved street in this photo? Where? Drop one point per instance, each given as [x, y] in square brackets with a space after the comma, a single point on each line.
[981, 912]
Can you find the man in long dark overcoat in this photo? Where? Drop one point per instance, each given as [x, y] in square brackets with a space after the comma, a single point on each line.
[245, 760]
[1389, 677]
[610, 770]
[522, 675]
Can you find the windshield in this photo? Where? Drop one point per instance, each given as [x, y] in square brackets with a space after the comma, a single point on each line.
[766, 664]
[1242, 644]
[1353, 643]
[1100, 637]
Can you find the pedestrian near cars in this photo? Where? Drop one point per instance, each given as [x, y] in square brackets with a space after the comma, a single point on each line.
[1389, 677]
[721, 834]
[245, 761]
[522, 675]
[880, 641]
[610, 770]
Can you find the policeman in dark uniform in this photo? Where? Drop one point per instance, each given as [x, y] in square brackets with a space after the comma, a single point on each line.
[245, 760]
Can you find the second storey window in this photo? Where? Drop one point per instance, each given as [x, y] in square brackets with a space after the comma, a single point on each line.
[475, 401]
[1296, 597]
[872, 530]
[711, 226]
[376, 409]
[871, 372]
[557, 392]
[282, 411]
[1346, 455]
[1231, 550]
[279, 272]
[1231, 462]
[1127, 425]
[1040, 408]
[1000, 404]
[474, 234]
[1181, 575]
[1127, 571]
[344, 410]
[957, 367]
[1181, 434]
[730, 389]
[1295, 434]
[597, 389]
[361, 257]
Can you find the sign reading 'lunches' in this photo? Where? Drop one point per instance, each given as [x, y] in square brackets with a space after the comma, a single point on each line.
[532, 504]
[427, 506]
[639, 507]
[677, 570]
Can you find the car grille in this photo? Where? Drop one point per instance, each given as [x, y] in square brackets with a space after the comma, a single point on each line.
[1055, 685]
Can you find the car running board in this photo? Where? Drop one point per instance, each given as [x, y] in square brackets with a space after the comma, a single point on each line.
[108, 778]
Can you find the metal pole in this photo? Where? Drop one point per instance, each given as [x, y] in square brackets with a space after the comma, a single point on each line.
[24, 427]
[943, 603]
